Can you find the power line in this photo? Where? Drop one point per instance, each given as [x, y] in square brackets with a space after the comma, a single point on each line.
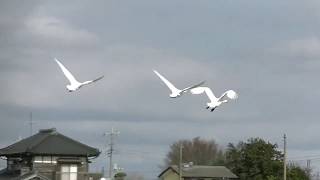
[137, 153]
[304, 157]
[300, 160]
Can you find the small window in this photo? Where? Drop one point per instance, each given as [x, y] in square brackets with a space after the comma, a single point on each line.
[54, 159]
[37, 159]
[69, 172]
[46, 159]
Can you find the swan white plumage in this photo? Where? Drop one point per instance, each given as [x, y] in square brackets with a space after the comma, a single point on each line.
[74, 84]
[214, 101]
[175, 92]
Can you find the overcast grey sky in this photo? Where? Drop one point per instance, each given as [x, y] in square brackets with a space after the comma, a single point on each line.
[268, 51]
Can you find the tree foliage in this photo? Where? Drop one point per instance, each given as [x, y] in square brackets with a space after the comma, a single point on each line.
[199, 151]
[297, 173]
[254, 160]
[259, 160]
[120, 176]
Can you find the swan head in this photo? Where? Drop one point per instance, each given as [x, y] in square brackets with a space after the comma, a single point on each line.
[212, 105]
[175, 95]
[69, 88]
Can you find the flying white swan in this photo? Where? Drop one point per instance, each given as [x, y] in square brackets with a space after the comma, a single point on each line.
[175, 92]
[74, 84]
[215, 102]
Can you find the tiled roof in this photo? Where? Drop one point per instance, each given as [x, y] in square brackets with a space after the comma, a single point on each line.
[49, 142]
[203, 171]
[15, 175]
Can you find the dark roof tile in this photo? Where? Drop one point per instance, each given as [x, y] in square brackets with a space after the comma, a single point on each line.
[202, 171]
[49, 142]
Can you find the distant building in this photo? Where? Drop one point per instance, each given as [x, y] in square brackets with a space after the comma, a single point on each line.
[48, 155]
[193, 172]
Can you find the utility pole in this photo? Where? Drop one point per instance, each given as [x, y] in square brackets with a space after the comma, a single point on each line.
[285, 157]
[31, 122]
[309, 167]
[180, 162]
[111, 149]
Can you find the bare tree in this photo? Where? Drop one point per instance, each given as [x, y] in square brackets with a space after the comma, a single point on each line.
[199, 151]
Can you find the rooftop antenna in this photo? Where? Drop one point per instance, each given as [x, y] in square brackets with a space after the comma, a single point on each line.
[111, 149]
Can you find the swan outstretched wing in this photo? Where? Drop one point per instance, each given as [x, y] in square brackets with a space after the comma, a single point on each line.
[66, 72]
[168, 83]
[231, 94]
[194, 86]
[92, 81]
[200, 90]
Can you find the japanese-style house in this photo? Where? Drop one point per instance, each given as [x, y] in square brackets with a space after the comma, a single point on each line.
[48, 155]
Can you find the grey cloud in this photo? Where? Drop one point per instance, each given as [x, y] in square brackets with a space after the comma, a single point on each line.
[261, 49]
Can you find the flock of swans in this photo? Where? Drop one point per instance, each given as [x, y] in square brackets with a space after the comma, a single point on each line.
[175, 92]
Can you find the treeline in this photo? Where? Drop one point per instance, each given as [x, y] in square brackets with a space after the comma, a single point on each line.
[254, 159]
